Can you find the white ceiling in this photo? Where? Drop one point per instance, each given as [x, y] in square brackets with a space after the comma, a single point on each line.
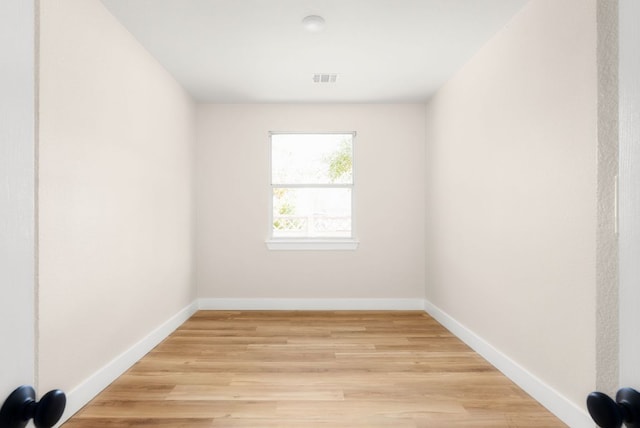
[258, 51]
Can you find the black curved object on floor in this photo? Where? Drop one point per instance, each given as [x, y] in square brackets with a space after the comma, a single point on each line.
[21, 406]
[607, 413]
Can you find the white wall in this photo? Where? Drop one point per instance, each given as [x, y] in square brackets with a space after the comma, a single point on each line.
[233, 200]
[115, 192]
[17, 194]
[511, 194]
[629, 193]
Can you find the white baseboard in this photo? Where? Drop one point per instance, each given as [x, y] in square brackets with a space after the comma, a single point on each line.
[564, 409]
[87, 390]
[312, 304]
[567, 411]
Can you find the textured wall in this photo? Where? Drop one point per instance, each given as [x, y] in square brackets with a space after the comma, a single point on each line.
[607, 343]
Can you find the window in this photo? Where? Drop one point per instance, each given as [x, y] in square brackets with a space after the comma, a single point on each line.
[311, 191]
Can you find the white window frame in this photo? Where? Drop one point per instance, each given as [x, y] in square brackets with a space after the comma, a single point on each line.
[311, 243]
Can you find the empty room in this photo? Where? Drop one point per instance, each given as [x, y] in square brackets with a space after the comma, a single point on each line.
[319, 213]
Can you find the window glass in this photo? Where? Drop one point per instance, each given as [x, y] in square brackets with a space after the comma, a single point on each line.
[311, 158]
[312, 185]
[312, 212]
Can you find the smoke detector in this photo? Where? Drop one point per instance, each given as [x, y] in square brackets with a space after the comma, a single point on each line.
[313, 23]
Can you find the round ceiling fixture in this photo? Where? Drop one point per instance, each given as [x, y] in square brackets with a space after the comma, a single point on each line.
[313, 23]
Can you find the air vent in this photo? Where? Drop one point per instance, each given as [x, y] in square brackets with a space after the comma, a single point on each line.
[325, 78]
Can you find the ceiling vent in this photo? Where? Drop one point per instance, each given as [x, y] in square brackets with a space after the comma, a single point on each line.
[325, 78]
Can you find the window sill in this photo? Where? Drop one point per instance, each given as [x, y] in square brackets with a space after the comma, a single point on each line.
[312, 244]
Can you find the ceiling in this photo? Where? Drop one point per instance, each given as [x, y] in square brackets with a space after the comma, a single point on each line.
[234, 51]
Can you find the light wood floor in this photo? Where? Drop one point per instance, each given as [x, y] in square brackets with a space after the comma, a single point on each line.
[312, 369]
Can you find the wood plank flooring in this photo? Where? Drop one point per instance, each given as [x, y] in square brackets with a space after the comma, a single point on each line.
[258, 369]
